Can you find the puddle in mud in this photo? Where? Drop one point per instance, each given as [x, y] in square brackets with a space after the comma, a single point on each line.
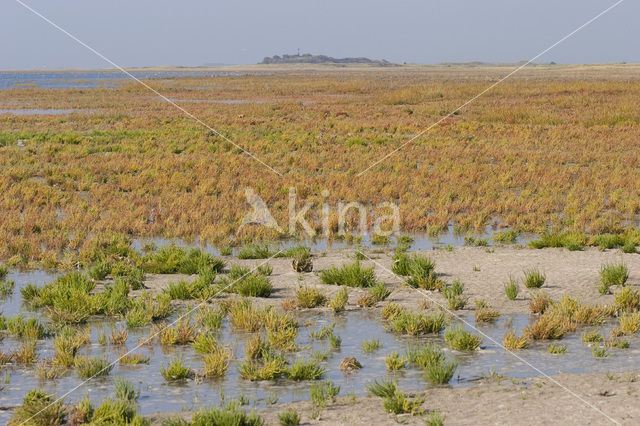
[352, 327]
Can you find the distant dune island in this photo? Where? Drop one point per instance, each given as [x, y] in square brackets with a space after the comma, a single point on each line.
[307, 58]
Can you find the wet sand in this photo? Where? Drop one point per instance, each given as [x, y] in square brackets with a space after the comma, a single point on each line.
[483, 271]
[600, 400]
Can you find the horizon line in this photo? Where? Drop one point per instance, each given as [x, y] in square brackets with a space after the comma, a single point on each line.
[340, 65]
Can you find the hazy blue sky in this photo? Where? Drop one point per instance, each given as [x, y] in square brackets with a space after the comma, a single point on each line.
[162, 32]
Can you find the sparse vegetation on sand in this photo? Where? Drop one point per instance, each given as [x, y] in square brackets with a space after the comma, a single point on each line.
[394, 400]
[419, 270]
[322, 394]
[309, 297]
[230, 413]
[289, 417]
[272, 350]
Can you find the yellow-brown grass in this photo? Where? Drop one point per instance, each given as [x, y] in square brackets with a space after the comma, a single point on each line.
[533, 151]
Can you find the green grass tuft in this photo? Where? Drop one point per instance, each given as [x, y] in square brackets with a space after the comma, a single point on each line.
[305, 370]
[513, 342]
[557, 349]
[255, 251]
[39, 408]
[6, 288]
[533, 278]
[379, 292]
[216, 362]
[289, 417]
[395, 362]
[599, 352]
[176, 370]
[382, 389]
[124, 390]
[511, 289]
[339, 301]
[627, 300]
[440, 372]
[352, 275]
[230, 414]
[369, 346]
[435, 418]
[460, 339]
[309, 297]
[613, 274]
[87, 367]
[509, 236]
[415, 324]
[252, 285]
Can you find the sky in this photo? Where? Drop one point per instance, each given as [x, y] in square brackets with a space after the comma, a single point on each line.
[197, 32]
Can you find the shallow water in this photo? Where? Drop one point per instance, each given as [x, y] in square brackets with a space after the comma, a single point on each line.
[420, 242]
[42, 111]
[353, 327]
[88, 79]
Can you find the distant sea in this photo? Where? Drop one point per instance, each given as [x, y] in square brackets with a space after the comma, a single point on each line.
[87, 79]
